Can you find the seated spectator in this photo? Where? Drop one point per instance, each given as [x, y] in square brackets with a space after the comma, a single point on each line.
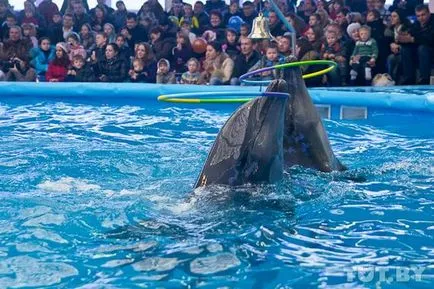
[145, 54]
[335, 7]
[231, 46]
[364, 56]
[315, 21]
[133, 32]
[112, 68]
[249, 12]
[110, 32]
[101, 5]
[192, 75]
[276, 27]
[21, 71]
[270, 59]
[306, 9]
[58, 67]
[47, 9]
[216, 5]
[29, 33]
[217, 66]
[14, 48]
[186, 29]
[11, 20]
[350, 43]
[374, 21]
[384, 13]
[216, 25]
[74, 47]
[42, 56]
[190, 18]
[80, 71]
[99, 18]
[182, 52]
[297, 23]
[284, 45]
[161, 46]
[30, 15]
[421, 37]
[80, 15]
[234, 10]
[315, 37]
[87, 37]
[244, 31]
[201, 15]
[120, 15]
[305, 52]
[245, 60]
[98, 54]
[54, 30]
[164, 75]
[399, 24]
[124, 50]
[137, 73]
[334, 50]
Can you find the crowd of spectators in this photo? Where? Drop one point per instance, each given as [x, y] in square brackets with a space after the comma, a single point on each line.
[87, 44]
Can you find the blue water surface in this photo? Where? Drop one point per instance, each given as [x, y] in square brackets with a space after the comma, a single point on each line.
[99, 195]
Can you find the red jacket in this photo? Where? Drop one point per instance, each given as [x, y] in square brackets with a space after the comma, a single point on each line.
[56, 72]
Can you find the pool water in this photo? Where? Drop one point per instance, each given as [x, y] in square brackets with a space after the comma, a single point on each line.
[100, 196]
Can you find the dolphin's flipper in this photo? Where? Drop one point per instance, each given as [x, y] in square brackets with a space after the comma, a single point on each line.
[305, 139]
[248, 149]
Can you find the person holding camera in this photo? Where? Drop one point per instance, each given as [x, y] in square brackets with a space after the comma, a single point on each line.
[20, 71]
[14, 48]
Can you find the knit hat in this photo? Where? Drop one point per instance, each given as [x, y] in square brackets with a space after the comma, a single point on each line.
[164, 60]
[74, 35]
[352, 27]
[63, 46]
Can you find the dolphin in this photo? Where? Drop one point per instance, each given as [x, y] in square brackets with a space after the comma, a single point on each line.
[249, 147]
[268, 135]
[305, 140]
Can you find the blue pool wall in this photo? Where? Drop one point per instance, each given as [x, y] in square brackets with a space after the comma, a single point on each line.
[398, 98]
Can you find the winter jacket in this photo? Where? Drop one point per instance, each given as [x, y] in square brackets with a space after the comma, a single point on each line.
[56, 71]
[180, 58]
[163, 48]
[19, 75]
[114, 69]
[166, 78]
[40, 59]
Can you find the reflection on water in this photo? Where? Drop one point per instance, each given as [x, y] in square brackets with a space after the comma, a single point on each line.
[101, 197]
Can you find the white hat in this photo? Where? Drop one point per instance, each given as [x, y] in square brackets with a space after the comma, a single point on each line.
[352, 27]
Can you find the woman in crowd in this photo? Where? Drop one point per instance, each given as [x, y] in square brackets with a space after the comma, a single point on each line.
[182, 52]
[99, 19]
[315, 37]
[87, 38]
[112, 68]
[145, 54]
[109, 30]
[58, 67]
[42, 56]
[217, 67]
[399, 24]
[304, 52]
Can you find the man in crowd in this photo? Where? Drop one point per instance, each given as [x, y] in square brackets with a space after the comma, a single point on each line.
[245, 60]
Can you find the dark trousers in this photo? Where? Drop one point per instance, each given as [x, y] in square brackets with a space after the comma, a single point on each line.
[413, 56]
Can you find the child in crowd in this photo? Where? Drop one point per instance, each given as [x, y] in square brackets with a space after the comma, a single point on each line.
[182, 52]
[98, 53]
[244, 31]
[192, 76]
[29, 32]
[189, 18]
[231, 46]
[58, 67]
[186, 29]
[271, 58]
[74, 46]
[334, 50]
[164, 75]
[138, 74]
[364, 55]
[80, 71]
[42, 56]
[124, 50]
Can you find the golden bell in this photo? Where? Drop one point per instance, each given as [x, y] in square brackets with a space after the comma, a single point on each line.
[260, 29]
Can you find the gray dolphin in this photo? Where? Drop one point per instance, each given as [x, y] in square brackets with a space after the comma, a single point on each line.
[305, 140]
[249, 147]
[267, 135]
